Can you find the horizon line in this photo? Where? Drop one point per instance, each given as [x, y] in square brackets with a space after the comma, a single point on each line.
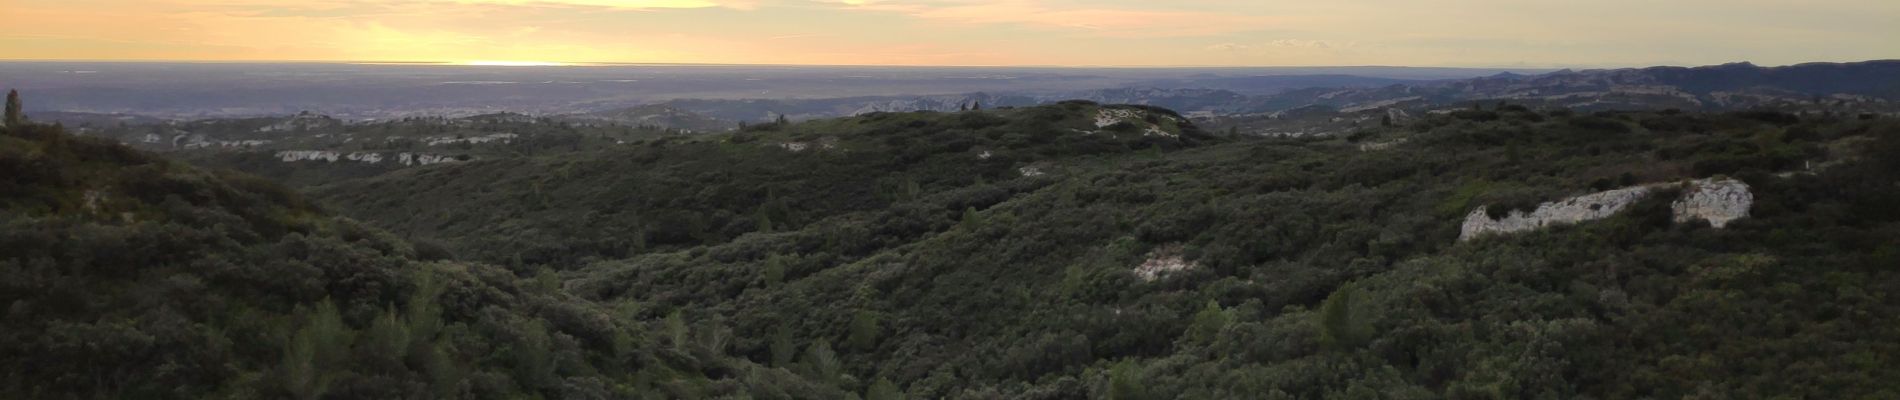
[584, 64]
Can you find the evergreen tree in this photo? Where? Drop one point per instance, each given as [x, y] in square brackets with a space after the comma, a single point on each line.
[970, 218]
[823, 363]
[883, 389]
[782, 348]
[977, 106]
[14, 119]
[1124, 382]
[864, 331]
[314, 357]
[774, 273]
[676, 330]
[1340, 327]
[1208, 323]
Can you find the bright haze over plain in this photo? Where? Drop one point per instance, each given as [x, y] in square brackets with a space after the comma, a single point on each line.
[1464, 33]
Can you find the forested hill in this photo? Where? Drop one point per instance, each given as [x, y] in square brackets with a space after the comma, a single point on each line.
[1054, 252]
[1027, 253]
[130, 276]
[684, 192]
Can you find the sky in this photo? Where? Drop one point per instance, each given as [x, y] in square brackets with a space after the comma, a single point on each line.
[1456, 33]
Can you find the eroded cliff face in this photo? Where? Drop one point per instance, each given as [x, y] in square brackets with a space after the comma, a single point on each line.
[1717, 200]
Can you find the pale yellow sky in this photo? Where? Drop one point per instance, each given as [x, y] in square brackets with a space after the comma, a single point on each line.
[1534, 33]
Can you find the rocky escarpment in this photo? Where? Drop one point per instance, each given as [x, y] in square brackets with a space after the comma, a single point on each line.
[406, 159]
[1717, 200]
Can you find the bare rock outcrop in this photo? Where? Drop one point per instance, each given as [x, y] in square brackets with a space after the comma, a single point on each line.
[406, 159]
[1718, 201]
[1162, 261]
[1587, 207]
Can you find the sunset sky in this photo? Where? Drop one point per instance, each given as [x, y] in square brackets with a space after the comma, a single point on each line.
[1529, 33]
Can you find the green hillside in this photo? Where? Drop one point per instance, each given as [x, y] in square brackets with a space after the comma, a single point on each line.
[130, 276]
[1323, 268]
[673, 194]
[1057, 252]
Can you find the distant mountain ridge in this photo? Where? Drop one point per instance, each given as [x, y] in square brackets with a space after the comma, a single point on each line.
[1871, 87]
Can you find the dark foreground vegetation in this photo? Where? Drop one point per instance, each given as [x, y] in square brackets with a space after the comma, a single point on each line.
[983, 254]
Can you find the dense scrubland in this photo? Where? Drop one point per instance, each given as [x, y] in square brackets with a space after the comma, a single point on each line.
[977, 254]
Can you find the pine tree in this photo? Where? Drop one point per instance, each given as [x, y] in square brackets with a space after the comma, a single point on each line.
[1340, 328]
[1208, 323]
[782, 348]
[1124, 382]
[978, 106]
[774, 273]
[823, 362]
[14, 119]
[314, 356]
[883, 389]
[675, 327]
[864, 331]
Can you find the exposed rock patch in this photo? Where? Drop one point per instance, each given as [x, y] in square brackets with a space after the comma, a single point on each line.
[1162, 261]
[1587, 207]
[406, 159]
[825, 143]
[498, 137]
[1111, 116]
[1379, 146]
[1719, 201]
